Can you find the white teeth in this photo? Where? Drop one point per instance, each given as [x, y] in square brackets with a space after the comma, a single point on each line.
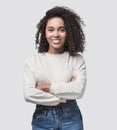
[56, 41]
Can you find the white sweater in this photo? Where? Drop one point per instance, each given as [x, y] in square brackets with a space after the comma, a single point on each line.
[56, 69]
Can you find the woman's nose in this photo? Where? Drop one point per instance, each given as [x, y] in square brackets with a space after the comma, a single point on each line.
[56, 33]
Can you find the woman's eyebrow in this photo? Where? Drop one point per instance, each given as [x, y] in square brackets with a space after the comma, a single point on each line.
[62, 27]
[50, 27]
[53, 27]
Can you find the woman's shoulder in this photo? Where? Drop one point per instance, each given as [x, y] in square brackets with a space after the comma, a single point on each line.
[78, 56]
[79, 60]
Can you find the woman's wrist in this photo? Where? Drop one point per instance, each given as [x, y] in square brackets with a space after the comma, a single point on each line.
[44, 87]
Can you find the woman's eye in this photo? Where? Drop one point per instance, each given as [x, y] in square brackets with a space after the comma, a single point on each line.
[50, 30]
[62, 30]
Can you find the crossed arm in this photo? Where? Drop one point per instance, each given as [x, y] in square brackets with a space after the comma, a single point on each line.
[46, 87]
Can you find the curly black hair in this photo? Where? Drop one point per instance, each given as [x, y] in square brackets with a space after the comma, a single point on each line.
[75, 42]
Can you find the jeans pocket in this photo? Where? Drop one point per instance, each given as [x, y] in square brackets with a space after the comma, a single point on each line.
[73, 111]
[39, 115]
[41, 119]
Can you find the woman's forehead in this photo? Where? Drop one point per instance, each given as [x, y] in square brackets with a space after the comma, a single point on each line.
[55, 21]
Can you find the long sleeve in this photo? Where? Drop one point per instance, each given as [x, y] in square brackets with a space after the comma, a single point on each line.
[74, 89]
[31, 94]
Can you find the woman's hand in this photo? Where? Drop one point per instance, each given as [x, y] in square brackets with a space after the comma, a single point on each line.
[73, 78]
[44, 87]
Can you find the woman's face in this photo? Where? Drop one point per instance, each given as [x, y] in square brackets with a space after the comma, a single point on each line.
[55, 34]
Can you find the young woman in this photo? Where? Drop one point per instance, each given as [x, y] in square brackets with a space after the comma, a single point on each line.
[56, 76]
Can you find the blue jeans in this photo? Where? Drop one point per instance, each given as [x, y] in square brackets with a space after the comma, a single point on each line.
[67, 117]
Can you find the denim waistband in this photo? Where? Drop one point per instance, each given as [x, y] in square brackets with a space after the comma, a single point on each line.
[63, 105]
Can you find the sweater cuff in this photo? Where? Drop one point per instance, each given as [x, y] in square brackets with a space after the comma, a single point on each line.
[53, 88]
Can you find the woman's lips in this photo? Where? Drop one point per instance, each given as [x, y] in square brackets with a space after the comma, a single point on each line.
[56, 40]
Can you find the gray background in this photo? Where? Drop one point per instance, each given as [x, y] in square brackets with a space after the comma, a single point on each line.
[18, 19]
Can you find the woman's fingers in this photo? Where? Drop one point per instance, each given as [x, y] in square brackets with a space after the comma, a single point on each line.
[73, 78]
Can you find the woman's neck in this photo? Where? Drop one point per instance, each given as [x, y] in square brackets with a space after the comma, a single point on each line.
[57, 51]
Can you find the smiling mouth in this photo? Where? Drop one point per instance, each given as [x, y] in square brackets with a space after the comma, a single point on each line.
[56, 40]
